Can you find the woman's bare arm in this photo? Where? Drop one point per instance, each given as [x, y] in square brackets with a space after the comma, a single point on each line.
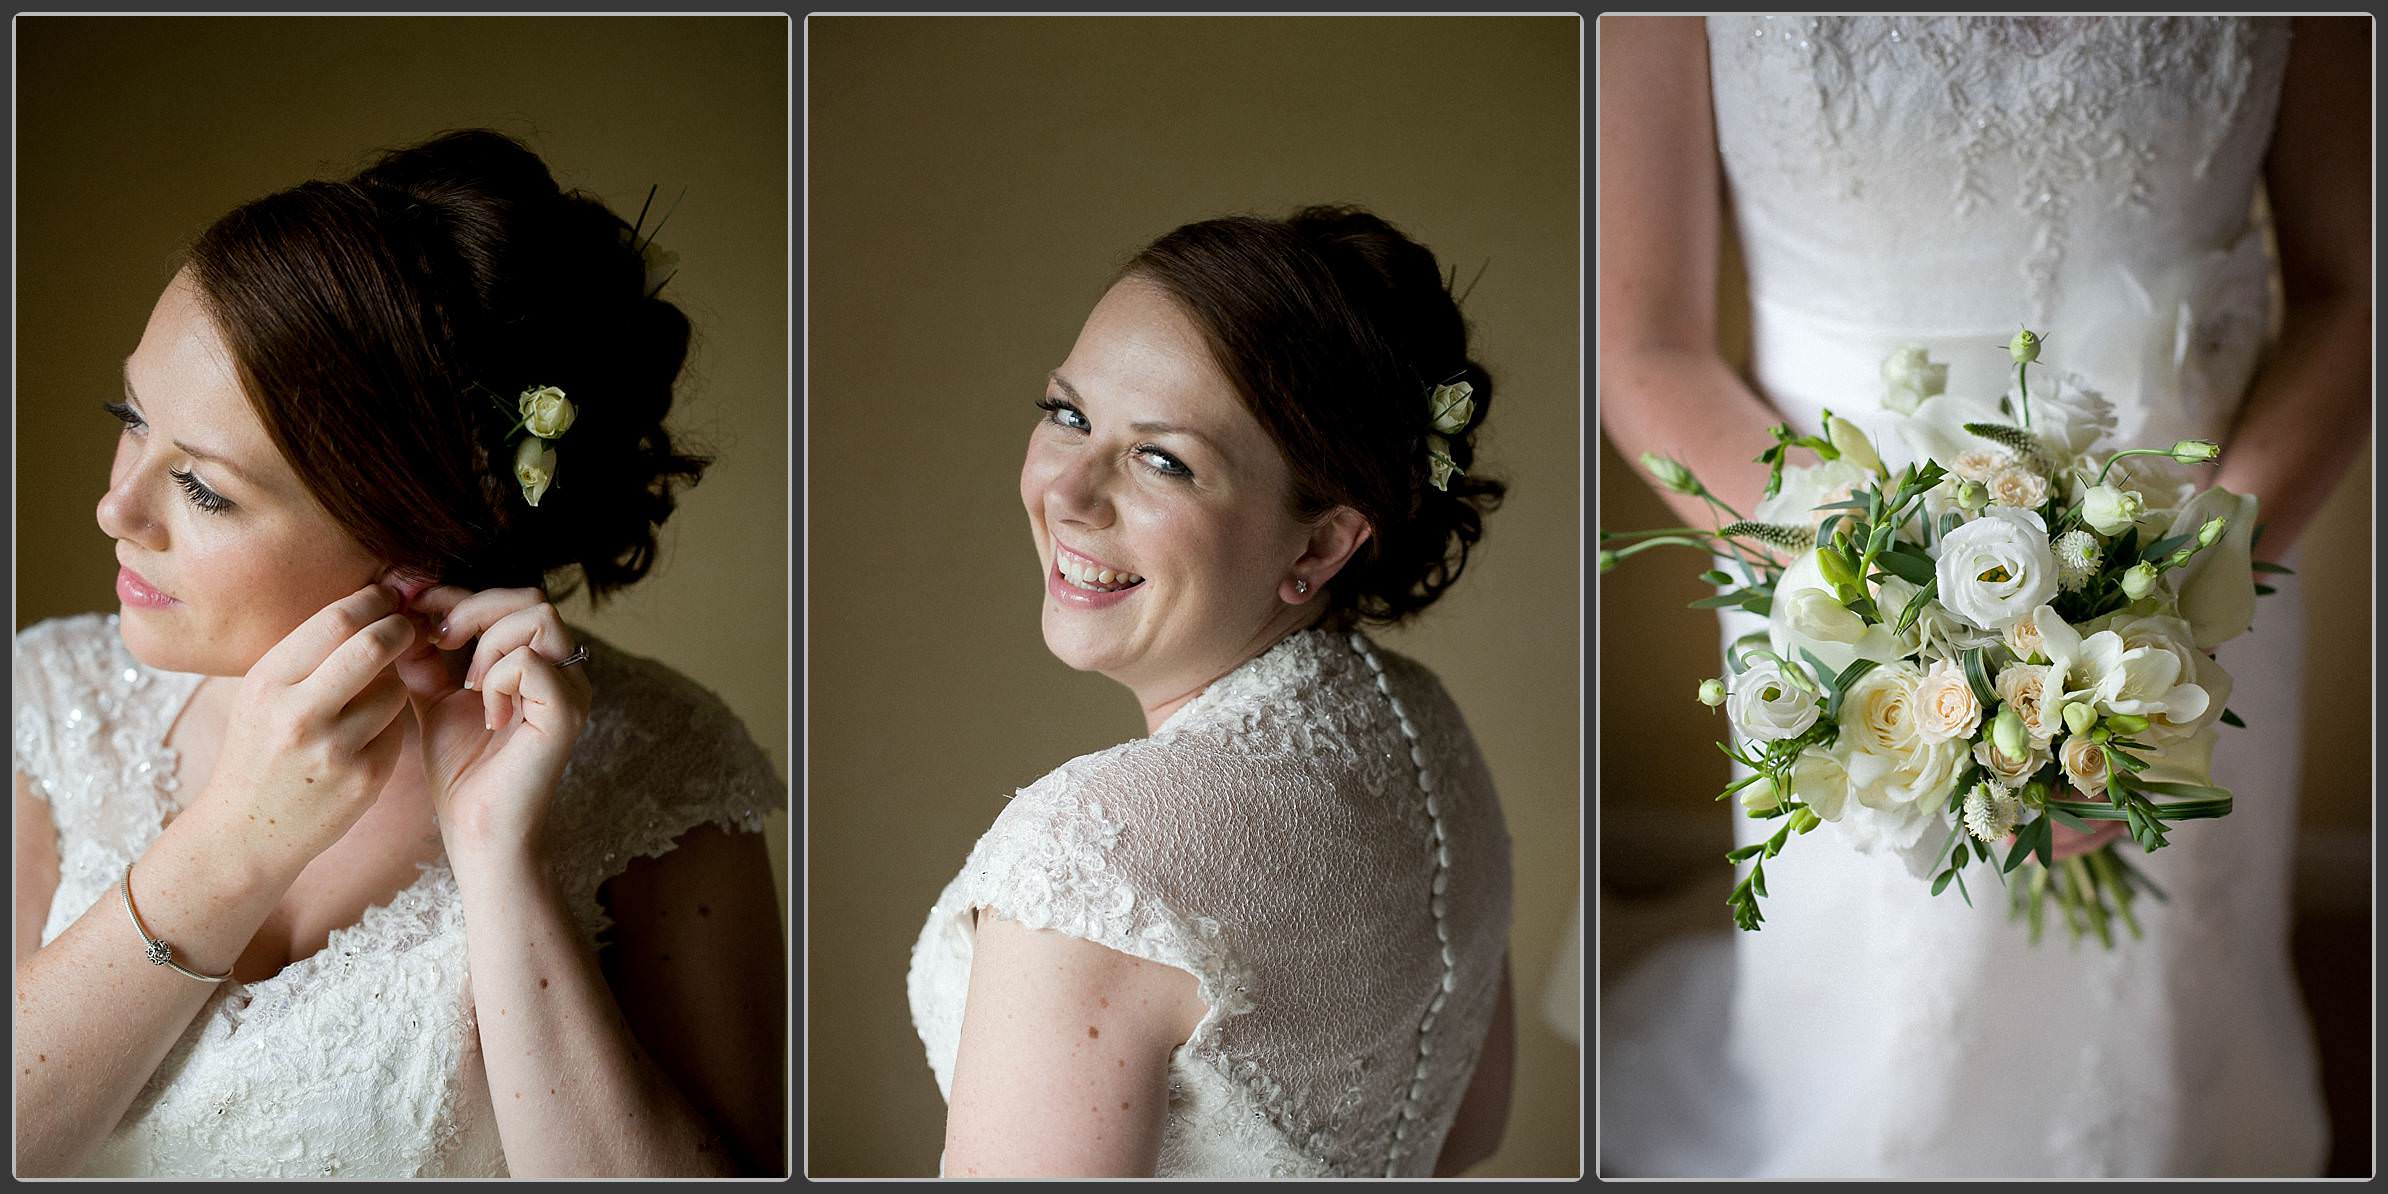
[2309, 408]
[1663, 387]
[93, 1016]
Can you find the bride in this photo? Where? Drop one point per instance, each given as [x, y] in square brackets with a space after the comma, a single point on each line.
[1936, 182]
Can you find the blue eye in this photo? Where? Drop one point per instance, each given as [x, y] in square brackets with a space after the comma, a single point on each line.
[1168, 466]
[1062, 414]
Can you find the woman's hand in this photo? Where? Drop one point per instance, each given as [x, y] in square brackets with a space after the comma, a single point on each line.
[2064, 841]
[316, 729]
[499, 721]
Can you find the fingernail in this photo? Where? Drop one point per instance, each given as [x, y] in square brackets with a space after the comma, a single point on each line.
[468, 683]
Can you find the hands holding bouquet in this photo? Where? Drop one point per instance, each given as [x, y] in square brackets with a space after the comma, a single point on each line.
[1968, 656]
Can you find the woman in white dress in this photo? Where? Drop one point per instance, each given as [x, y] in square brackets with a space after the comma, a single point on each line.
[1938, 181]
[1269, 939]
[336, 717]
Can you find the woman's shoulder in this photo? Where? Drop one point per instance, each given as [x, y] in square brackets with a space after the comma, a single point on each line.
[661, 754]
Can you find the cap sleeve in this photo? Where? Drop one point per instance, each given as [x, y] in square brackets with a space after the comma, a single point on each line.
[660, 756]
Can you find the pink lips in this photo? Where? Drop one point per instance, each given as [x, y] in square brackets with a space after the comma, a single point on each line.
[134, 590]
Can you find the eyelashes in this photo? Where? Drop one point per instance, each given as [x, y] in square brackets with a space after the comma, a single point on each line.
[1063, 415]
[205, 499]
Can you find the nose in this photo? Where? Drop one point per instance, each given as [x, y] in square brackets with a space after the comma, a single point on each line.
[1080, 492]
[124, 510]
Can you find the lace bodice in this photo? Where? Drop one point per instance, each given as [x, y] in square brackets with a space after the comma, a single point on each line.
[1939, 180]
[361, 1060]
[1324, 801]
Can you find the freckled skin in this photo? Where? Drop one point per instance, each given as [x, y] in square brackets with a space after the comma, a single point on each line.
[1092, 1031]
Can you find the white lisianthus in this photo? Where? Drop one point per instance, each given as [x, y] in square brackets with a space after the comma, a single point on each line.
[2012, 770]
[1805, 616]
[1893, 766]
[1767, 704]
[1996, 568]
[2019, 487]
[1945, 705]
[2077, 559]
[1807, 486]
[2215, 590]
[1910, 375]
[1991, 810]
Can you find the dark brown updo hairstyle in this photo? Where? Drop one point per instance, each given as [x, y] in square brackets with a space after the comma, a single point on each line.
[383, 326]
[1335, 328]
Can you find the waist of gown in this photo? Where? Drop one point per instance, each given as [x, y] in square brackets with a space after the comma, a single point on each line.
[2172, 346]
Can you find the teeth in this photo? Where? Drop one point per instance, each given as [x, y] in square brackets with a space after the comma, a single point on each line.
[1086, 575]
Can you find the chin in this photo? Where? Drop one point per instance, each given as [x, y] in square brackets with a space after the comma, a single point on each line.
[1072, 645]
[160, 647]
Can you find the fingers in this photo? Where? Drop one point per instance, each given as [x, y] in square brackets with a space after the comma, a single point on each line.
[373, 709]
[356, 662]
[538, 626]
[463, 616]
[302, 651]
[551, 699]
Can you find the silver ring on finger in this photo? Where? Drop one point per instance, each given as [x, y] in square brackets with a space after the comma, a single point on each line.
[579, 655]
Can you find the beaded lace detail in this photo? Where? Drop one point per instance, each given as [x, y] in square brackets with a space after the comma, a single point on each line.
[1273, 821]
[362, 1059]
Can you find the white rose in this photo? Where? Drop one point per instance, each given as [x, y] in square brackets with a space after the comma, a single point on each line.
[534, 468]
[1893, 767]
[1945, 704]
[2023, 687]
[1805, 616]
[2019, 487]
[1766, 705]
[2215, 590]
[1997, 568]
[545, 411]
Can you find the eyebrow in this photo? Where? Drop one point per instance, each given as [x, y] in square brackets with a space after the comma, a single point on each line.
[200, 453]
[1147, 426]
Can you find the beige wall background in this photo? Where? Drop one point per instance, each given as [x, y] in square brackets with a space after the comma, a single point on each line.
[133, 133]
[1659, 839]
[974, 182]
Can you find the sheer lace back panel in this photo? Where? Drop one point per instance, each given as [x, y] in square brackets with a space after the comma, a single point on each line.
[362, 1059]
[1283, 817]
[1940, 180]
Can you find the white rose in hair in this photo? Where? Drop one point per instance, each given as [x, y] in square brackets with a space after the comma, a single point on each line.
[1767, 705]
[1997, 568]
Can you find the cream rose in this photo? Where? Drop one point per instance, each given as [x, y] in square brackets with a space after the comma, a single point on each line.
[2023, 688]
[1997, 568]
[1945, 705]
[2023, 638]
[2019, 487]
[1979, 465]
[2085, 765]
[2013, 772]
[1892, 765]
[545, 412]
[534, 468]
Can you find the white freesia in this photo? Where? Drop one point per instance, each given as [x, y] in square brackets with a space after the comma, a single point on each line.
[1767, 705]
[1807, 486]
[1820, 780]
[1893, 766]
[1996, 568]
[2215, 590]
[2170, 634]
[1806, 617]
[2149, 676]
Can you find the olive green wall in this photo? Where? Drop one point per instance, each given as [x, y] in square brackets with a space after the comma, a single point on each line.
[134, 133]
[974, 182]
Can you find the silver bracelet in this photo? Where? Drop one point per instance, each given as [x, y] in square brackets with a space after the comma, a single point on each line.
[160, 953]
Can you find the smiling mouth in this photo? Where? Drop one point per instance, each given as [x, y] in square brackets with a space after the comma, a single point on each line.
[1083, 574]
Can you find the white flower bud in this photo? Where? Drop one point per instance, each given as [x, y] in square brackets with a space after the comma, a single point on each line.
[2007, 733]
[1761, 796]
[2025, 347]
[1712, 692]
[2111, 511]
[1670, 473]
[1852, 443]
[2139, 580]
[2196, 451]
[2208, 534]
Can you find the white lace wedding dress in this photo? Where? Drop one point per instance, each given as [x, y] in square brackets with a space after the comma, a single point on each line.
[1940, 181]
[1316, 840]
[364, 1059]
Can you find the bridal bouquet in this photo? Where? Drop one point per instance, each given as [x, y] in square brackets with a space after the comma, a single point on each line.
[2012, 634]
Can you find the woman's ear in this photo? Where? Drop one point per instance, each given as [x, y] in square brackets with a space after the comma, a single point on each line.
[1333, 540]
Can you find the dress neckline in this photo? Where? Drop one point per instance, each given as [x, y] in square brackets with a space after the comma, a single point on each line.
[165, 778]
